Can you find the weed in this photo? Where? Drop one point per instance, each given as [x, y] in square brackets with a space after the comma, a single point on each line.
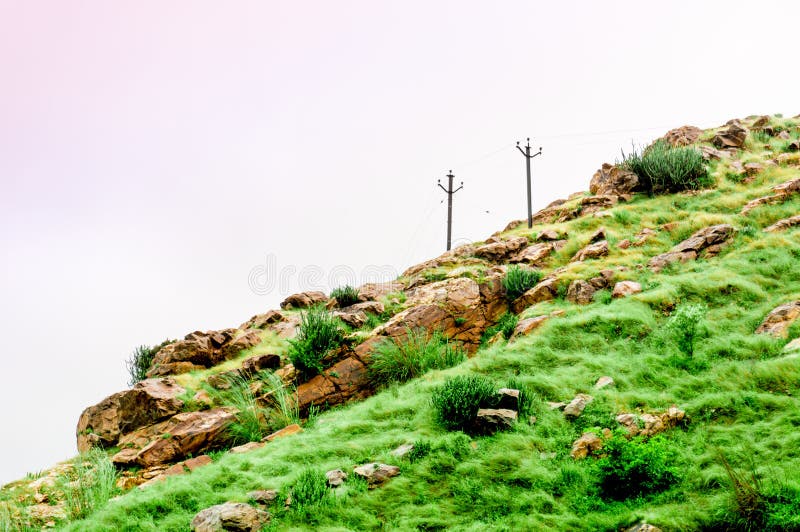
[683, 326]
[519, 280]
[636, 467]
[140, 361]
[663, 168]
[506, 325]
[320, 331]
[345, 295]
[398, 360]
[457, 401]
[309, 490]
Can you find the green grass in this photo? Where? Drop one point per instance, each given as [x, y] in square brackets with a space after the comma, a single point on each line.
[319, 332]
[345, 295]
[663, 168]
[519, 280]
[401, 359]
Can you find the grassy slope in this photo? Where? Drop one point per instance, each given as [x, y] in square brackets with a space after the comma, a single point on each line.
[738, 389]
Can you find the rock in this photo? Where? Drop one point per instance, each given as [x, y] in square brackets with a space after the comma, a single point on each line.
[690, 248]
[752, 169]
[546, 290]
[288, 430]
[376, 474]
[588, 443]
[576, 406]
[147, 402]
[782, 191]
[549, 235]
[341, 382]
[651, 424]
[262, 321]
[784, 224]
[230, 516]
[643, 527]
[304, 300]
[710, 154]
[732, 137]
[792, 346]
[625, 289]
[556, 406]
[613, 180]
[508, 399]
[250, 367]
[247, 447]
[336, 477]
[403, 450]
[592, 251]
[202, 398]
[594, 204]
[502, 250]
[529, 325]
[761, 121]
[624, 244]
[375, 291]
[794, 145]
[779, 320]
[534, 255]
[603, 381]
[580, 292]
[683, 136]
[201, 350]
[490, 420]
[192, 433]
[263, 497]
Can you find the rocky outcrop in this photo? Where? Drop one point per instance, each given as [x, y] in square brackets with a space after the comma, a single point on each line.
[230, 516]
[304, 300]
[356, 315]
[651, 424]
[782, 192]
[148, 402]
[546, 290]
[491, 420]
[445, 259]
[199, 350]
[250, 368]
[582, 292]
[733, 136]
[779, 320]
[709, 239]
[501, 250]
[592, 251]
[784, 224]
[625, 289]
[534, 255]
[682, 136]
[611, 179]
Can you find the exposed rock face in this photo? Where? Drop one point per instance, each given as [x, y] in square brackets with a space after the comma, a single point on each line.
[546, 290]
[732, 137]
[502, 250]
[201, 350]
[192, 433]
[250, 367]
[345, 380]
[613, 180]
[651, 424]
[262, 321]
[304, 300]
[376, 474]
[147, 402]
[230, 516]
[689, 249]
[778, 321]
[710, 154]
[535, 254]
[683, 136]
[784, 224]
[782, 193]
[592, 251]
[625, 289]
[446, 258]
[582, 292]
[375, 291]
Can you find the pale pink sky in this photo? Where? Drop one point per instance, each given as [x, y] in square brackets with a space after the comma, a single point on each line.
[153, 153]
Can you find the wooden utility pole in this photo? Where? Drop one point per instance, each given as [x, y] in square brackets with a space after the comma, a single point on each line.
[527, 153]
[449, 191]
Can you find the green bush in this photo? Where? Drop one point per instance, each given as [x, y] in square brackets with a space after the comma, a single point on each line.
[320, 331]
[310, 489]
[420, 450]
[398, 360]
[457, 401]
[89, 484]
[506, 325]
[345, 295]
[140, 361]
[682, 326]
[636, 467]
[663, 168]
[519, 280]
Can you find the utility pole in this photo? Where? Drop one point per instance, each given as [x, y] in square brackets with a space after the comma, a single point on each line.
[527, 153]
[449, 191]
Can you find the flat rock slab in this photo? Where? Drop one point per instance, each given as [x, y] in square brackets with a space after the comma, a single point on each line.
[376, 474]
[230, 516]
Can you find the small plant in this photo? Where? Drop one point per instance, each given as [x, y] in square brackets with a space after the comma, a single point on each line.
[457, 401]
[310, 489]
[320, 331]
[431, 276]
[527, 397]
[663, 168]
[89, 484]
[683, 326]
[345, 295]
[506, 325]
[602, 296]
[420, 450]
[399, 360]
[636, 467]
[140, 361]
[519, 280]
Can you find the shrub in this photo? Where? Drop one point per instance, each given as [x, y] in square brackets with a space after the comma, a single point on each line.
[399, 360]
[310, 489]
[420, 450]
[140, 361]
[345, 295]
[663, 168]
[506, 325]
[683, 324]
[320, 331]
[519, 280]
[636, 467]
[89, 484]
[457, 401]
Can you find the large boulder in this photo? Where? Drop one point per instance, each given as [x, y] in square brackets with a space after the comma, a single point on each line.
[201, 350]
[546, 290]
[148, 402]
[230, 516]
[706, 239]
[491, 420]
[610, 179]
[501, 250]
[682, 136]
[304, 300]
[731, 137]
[779, 320]
[592, 251]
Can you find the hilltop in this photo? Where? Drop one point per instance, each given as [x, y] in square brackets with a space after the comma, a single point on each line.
[629, 363]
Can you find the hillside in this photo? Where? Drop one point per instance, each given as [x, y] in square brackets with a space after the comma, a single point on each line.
[635, 358]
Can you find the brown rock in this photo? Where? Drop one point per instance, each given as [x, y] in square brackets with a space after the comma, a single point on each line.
[784, 224]
[230, 516]
[613, 180]
[502, 250]
[263, 497]
[588, 443]
[710, 154]
[779, 320]
[304, 300]
[193, 432]
[576, 406]
[732, 137]
[262, 321]
[247, 447]
[535, 254]
[592, 251]
[603, 381]
[625, 289]
[147, 402]
[288, 430]
[580, 292]
[336, 477]
[508, 399]
[549, 235]
[643, 527]
[375, 291]
[546, 290]
[376, 474]
[761, 121]
[690, 248]
[490, 420]
[528, 325]
[683, 136]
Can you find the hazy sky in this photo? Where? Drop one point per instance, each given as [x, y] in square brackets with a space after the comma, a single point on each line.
[153, 153]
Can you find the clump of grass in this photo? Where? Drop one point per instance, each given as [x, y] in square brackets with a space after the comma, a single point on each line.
[319, 332]
[89, 484]
[519, 280]
[636, 467]
[398, 360]
[345, 295]
[506, 325]
[457, 401]
[420, 450]
[663, 168]
[309, 490]
[140, 361]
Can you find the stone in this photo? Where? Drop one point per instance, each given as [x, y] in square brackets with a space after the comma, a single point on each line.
[603, 381]
[201, 350]
[403, 450]
[761, 121]
[529, 325]
[624, 244]
[792, 346]
[643, 527]
[710, 154]
[534, 255]
[752, 169]
[508, 399]
[262, 321]
[230, 516]
[549, 235]
[612, 180]
[683, 136]
[556, 405]
[784, 224]
[782, 192]
[580, 292]
[649, 424]
[304, 300]
[794, 145]
[501, 250]
[376, 474]
[147, 402]
[336, 477]
[732, 137]
[576, 406]
[778, 321]
[546, 290]
[598, 235]
[588, 443]
[625, 289]
[288, 430]
[690, 248]
[490, 420]
[263, 497]
[592, 251]
[192, 433]
[375, 291]
[247, 447]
